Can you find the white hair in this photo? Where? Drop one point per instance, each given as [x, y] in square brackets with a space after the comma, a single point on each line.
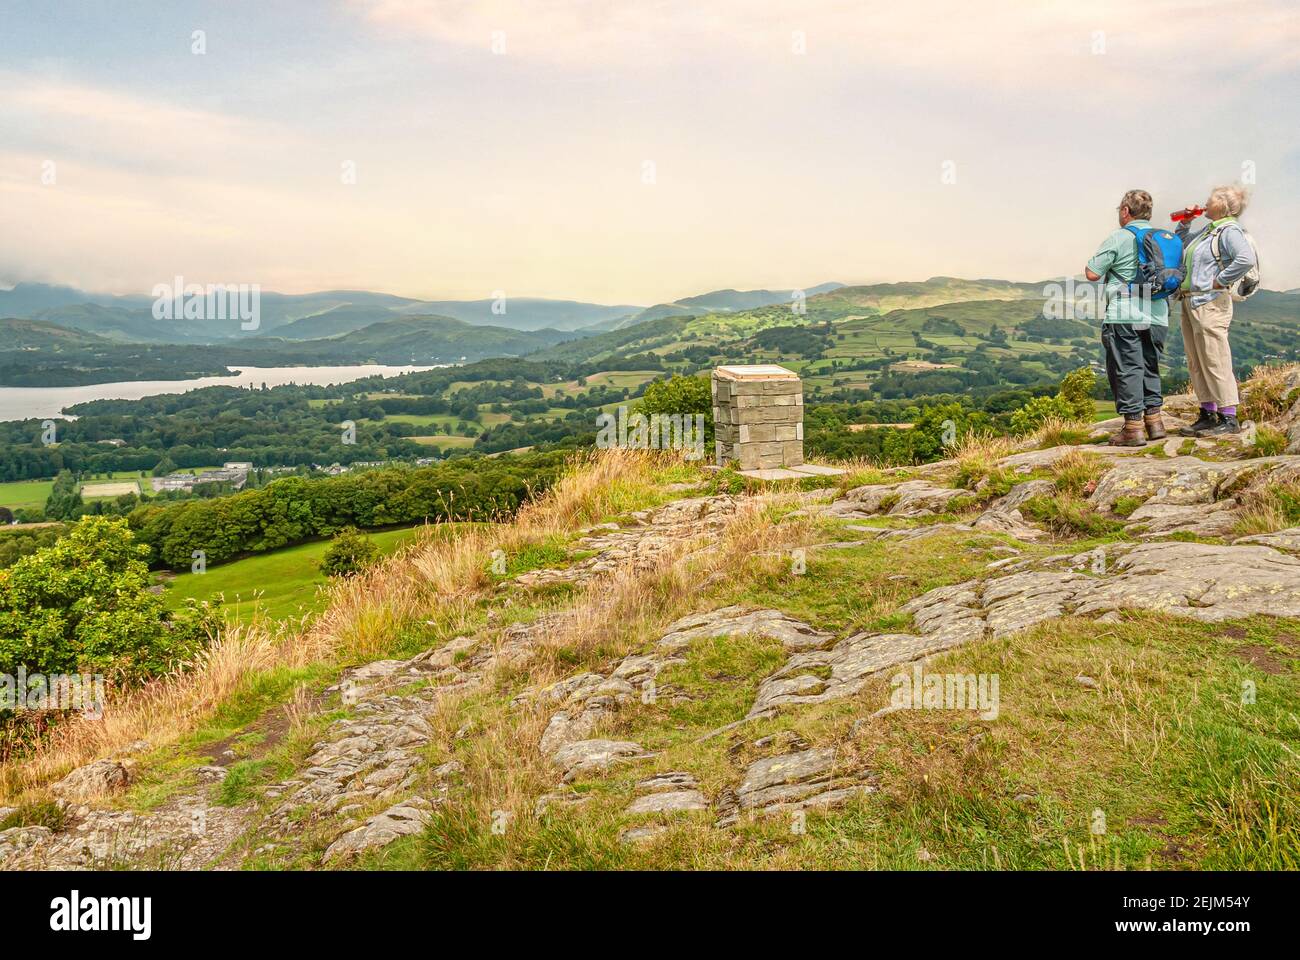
[1234, 199]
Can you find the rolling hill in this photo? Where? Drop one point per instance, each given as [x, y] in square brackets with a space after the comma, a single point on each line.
[717, 301]
[18, 333]
[418, 339]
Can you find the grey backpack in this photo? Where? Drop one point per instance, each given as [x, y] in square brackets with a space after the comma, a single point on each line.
[1245, 286]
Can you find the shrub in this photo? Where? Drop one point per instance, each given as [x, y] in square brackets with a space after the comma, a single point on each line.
[1072, 403]
[83, 605]
[1125, 506]
[1269, 507]
[1038, 410]
[680, 395]
[977, 457]
[350, 552]
[1266, 394]
[1076, 391]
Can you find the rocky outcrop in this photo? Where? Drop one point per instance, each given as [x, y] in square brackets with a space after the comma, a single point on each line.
[1202, 520]
[910, 498]
[1200, 581]
[583, 758]
[738, 621]
[789, 782]
[844, 669]
[650, 536]
[400, 820]
[94, 780]
[1187, 480]
[667, 793]
[587, 699]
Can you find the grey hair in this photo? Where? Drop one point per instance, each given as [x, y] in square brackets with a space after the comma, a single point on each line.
[1234, 199]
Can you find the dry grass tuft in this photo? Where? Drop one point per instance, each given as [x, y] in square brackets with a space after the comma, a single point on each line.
[1076, 473]
[1267, 507]
[1267, 392]
[977, 455]
[1058, 432]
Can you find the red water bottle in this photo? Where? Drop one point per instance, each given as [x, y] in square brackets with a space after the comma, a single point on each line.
[1178, 216]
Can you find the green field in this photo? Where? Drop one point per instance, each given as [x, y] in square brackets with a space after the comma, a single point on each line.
[277, 585]
[25, 493]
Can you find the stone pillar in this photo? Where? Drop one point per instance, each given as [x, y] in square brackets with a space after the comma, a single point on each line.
[758, 416]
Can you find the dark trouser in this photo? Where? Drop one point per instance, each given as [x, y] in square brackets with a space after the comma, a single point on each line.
[1133, 366]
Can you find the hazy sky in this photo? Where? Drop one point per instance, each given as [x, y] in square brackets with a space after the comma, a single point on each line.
[626, 152]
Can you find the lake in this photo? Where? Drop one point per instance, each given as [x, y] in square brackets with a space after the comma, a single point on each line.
[23, 403]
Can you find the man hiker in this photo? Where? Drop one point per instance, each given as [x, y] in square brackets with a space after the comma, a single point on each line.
[1133, 328]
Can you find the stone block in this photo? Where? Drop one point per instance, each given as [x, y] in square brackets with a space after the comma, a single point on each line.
[757, 416]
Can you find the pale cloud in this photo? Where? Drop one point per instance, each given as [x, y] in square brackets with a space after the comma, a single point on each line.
[113, 124]
[1007, 43]
[477, 174]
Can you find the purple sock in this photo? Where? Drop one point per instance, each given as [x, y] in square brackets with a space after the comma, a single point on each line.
[1209, 407]
[1228, 411]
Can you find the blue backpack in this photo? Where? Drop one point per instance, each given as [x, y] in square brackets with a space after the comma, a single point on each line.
[1160, 261]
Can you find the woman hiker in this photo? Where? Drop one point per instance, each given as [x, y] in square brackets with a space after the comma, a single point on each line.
[1207, 306]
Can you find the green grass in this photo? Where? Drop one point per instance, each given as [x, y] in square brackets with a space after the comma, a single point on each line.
[278, 585]
[25, 493]
[1186, 771]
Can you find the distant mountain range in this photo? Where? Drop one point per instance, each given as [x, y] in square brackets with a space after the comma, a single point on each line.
[331, 313]
[67, 339]
[719, 301]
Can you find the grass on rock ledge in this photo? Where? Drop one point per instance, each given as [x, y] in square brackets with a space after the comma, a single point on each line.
[1185, 774]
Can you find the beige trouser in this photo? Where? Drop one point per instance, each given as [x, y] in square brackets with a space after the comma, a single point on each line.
[1209, 358]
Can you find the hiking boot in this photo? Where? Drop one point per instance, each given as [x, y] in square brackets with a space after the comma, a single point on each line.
[1154, 424]
[1225, 425]
[1132, 434]
[1205, 421]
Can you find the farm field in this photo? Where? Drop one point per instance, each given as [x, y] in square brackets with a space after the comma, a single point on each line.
[25, 494]
[90, 491]
[276, 585]
[445, 440]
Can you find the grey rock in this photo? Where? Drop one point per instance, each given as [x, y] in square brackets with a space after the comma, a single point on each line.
[1203, 519]
[737, 621]
[585, 757]
[661, 782]
[804, 779]
[675, 801]
[564, 798]
[401, 820]
[910, 498]
[1288, 539]
[95, 780]
[633, 835]
[821, 675]
[1022, 492]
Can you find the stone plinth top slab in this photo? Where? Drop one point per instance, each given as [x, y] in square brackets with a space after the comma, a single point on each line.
[801, 471]
[758, 371]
